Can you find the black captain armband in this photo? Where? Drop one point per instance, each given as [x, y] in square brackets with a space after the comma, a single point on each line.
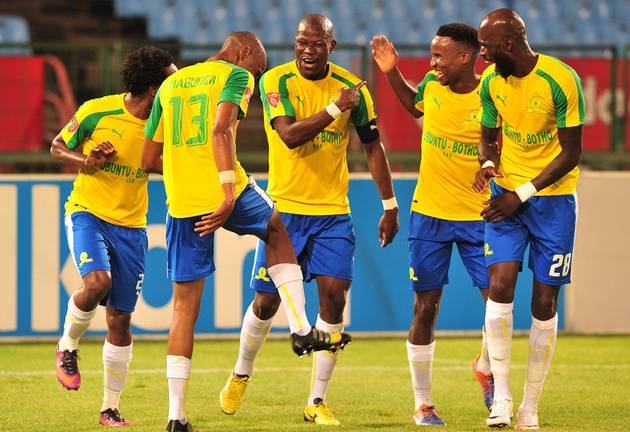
[368, 132]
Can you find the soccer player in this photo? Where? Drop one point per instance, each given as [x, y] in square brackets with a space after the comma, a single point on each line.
[444, 210]
[538, 103]
[192, 126]
[106, 220]
[310, 106]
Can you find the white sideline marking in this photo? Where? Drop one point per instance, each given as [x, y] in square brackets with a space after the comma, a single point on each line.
[208, 371]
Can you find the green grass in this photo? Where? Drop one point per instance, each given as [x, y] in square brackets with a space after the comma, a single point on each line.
[587, 389]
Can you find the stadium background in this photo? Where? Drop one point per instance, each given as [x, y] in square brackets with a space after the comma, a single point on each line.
[55, 54]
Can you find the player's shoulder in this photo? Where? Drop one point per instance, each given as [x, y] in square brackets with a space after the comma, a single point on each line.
[553, 67]
[489, 73]
[109, 103]
[341, 74]
[283, 70]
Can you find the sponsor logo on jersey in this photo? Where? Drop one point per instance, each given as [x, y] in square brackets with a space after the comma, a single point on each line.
[73, 124]
[273, 98]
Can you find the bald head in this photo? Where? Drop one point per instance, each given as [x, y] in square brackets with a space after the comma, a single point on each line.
[505, 23]
[317, 22]
[244, 49]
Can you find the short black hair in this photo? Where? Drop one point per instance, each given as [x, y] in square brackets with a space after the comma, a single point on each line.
[145, 67]
[460, 32]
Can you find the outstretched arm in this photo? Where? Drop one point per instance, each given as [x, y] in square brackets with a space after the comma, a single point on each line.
[386, 57]
[379, 168]
[295, 133]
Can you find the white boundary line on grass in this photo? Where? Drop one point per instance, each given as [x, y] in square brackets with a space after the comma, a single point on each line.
[209, 371]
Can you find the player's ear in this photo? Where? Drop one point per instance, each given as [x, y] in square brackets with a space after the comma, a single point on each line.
[244, 52]
[333, 45]
[153, 90]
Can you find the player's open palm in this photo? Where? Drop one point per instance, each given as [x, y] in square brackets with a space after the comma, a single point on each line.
[100, 153]
[211, 222]
[349, 97]
[384, 53]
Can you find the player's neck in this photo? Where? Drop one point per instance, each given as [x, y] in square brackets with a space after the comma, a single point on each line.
[464, 84]
[525, 63]
[138, 106]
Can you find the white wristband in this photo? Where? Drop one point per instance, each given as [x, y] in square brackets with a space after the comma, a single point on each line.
[390, 203]
[333, 110]
[525, 191]
[487, 164]
[227, 177]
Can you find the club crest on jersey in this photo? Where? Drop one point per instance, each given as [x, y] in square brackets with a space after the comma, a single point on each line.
[247, 94]
[273, 98]
[73, 124]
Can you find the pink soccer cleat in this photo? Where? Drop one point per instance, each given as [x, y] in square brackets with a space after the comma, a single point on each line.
[486, 381]
[68, 369]
[111, 417]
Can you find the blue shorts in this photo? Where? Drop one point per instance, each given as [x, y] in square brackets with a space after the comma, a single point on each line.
[99, 245]
[430, 245]
[190, 257]
[324, 246]
[547, 224]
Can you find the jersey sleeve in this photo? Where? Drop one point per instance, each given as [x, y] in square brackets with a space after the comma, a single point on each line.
[79, 128]
[238, 89]
[419, 100]
[274, 94]
[490, 117]
[154, 129]
[364, 112]
[568, 99]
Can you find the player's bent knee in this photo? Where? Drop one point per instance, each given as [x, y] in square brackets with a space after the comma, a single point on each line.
[118, 322]
[97, 284]
[266, 305]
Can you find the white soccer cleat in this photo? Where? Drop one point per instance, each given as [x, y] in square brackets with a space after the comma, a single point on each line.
[526, 419]
[500, 413]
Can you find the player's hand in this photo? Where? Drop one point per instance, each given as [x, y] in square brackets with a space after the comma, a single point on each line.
[99, 154]
[384, 53]
[349, 97]
[388, 226]
[482, 178]
[211, 222]
[501, 207]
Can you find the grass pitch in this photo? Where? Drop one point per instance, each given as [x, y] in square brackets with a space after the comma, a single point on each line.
[587, 389]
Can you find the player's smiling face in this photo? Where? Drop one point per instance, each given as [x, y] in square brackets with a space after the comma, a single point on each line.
[494, 49]
[447, 58]
[312, 49]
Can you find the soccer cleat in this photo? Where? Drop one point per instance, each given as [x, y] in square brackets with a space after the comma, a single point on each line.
[112, 417]
[526, 419]
[425, 415]
[486, 381]
[500, 413]
[67, 369]
[318, 340]
[319, 413]
[176, 426]
[232, 393]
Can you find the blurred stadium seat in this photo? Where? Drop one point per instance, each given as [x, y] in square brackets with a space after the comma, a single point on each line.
[14, 30]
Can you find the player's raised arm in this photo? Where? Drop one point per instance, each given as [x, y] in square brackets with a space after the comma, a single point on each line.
[295, 133]
[386, 57]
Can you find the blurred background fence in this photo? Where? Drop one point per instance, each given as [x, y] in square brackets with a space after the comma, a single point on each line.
[55, 54]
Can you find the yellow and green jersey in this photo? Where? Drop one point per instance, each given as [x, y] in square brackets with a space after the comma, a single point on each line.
[182, 118]
[450, 136]
[115, 191]
[313, 178]
[530, 110]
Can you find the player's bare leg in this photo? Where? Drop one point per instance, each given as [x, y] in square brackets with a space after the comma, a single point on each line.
[333, 293]
[81, 309]
[187, 299]
[117, 353]
[542, 341]
[499, 326]
[420, 352]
